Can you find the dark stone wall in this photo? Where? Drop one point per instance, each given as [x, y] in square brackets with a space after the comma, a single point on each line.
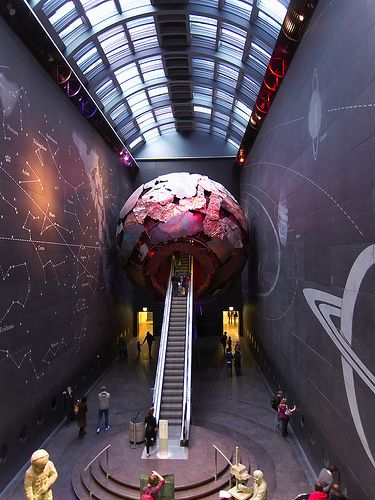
[62, 299]
[308, 190]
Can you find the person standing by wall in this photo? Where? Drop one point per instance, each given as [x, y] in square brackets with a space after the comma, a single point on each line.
[284, 413]
[103, 398]
[237, 362]
[223, 341]
[275, 401]
[69, 403]
[81, 417]
[150, 430]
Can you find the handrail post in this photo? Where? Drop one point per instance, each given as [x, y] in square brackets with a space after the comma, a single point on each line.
[215, 465]
[90, 492]
[107, 469]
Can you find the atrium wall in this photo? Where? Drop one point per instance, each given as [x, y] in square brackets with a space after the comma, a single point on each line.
[308, 190]
[63, 300]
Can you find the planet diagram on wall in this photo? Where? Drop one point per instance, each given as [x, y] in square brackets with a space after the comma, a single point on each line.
[187, 213]
[315, 114]
[326, 306]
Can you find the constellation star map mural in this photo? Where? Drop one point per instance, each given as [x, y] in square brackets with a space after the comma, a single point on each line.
[56, 199]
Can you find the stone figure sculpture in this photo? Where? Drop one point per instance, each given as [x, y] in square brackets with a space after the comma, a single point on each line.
[40, 477]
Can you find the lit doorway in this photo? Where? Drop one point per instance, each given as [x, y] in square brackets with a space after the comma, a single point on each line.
[145, 323]
[231, 324]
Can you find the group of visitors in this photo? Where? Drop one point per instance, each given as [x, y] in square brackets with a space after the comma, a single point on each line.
[283, 413]
[180, 284]
[77, 409]
[232, 317]
[325, 488]
[230, 358]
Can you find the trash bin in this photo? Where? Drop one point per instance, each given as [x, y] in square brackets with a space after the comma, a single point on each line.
[136, 431]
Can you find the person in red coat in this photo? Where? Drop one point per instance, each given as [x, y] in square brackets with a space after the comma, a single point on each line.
[318, 493]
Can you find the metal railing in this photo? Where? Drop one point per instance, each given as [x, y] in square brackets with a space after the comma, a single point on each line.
[158, 385]
[88, 466]
[186, 402]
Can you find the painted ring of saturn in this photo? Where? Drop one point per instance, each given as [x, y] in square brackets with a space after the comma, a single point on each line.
[325, 306]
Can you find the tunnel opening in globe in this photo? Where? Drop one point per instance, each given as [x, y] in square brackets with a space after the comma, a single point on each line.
[186, 213]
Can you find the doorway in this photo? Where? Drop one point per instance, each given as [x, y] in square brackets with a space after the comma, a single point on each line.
[145, 323]
[231, 324]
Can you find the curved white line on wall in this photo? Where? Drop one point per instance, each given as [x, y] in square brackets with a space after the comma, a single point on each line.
[329, 306]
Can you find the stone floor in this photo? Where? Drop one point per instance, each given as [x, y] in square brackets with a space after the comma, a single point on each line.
[237, 408]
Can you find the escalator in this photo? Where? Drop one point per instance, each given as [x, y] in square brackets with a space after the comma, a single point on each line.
[173, 376]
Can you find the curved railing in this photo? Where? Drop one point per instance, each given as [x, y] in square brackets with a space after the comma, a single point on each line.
[158, 385]
[186, 402]
[88, 466]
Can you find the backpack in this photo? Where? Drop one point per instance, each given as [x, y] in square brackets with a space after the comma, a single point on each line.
[274, 404]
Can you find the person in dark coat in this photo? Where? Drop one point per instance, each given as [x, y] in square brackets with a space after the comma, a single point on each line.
[69, 403]
[228, 362]
[223, 341]
[175, 283]
[81, 416]
[150, 430]
[237, 362]
[149, 339]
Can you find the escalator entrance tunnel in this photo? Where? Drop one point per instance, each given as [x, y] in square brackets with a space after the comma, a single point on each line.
[186, 213]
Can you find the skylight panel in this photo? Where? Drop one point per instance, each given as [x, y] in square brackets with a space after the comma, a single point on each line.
[242, 8]
[68, 33]
[221, 118]
[138, 101]
[205, 127]
[158, 94]
[203, 31]
[135, 143]
[158, 91]
[134, 4]
[143, 33]
[130, 129]
[219, 132]
[233, 143]
[114, 44]
[268, 24]
[167, 127]
[151, 134]
[232, 38]
[238, 127]
[128, 76]
[100, 12]
[242, 110]
[96, 65]
[86, 56]
[164, 113]
[274, 9]
[152, 68]
[146, 120]
[202, 109]
[260, 52]
[63, 11]
[202, 94]
[227, 74]
[118, 113]
[250, 87]
[203, 68]
[224, 98]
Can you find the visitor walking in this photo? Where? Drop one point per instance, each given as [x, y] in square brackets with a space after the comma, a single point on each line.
[103, 398]
[81, 416]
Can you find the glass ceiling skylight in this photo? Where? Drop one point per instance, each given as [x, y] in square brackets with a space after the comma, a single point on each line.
[118, 48]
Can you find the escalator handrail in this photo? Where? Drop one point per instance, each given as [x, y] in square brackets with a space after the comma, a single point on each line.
[186, 408]
[163, 346]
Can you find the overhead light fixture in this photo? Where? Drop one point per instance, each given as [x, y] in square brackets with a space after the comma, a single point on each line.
[301, 17]
[144, 309]
[231, 308]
